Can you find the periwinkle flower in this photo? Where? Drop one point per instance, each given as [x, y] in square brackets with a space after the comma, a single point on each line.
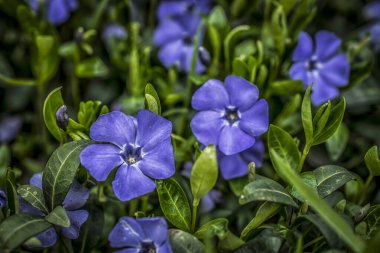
[140, 148]
[57, 11]
[234, 166]
[231, 116]
[320, 64]
[175, 8]
[144, 235]
[9, 128]
[114, 31]
[75, 199]
[371, 10]
[372, 13]
[3, 199]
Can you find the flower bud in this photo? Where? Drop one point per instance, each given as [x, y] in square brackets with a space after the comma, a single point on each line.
[204, 56]
[62, 117]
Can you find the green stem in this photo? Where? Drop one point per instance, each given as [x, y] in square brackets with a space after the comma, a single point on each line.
[305, 152]
[178, 138]
[194, 214]
[98, 14]
[101, 197]
[313, 242]
[133, 206]
[365, 189]
[67, 245]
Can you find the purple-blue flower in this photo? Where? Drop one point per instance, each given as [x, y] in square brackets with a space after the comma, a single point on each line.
[143, 235]
[320, 64]
[3, 199]
[57, 11]
[114, 31]
[176, 8]
[9, 128]
[234, 166]
[371, 10]
[141, 149]
[231, 116]
[372, 13]
[75, 199]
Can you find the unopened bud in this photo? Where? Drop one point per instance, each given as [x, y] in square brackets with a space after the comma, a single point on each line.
[62, 117]
[204, 56]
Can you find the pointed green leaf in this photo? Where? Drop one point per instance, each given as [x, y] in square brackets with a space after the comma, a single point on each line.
[321, 117]
[52, 103]
[60, 171]
[183, 242]
[372, 161]
[174, 203]
[338, 142]
[265, 189]
[309, 179]
[34, 196]
[152, 99]
[58, 217]
[204, 173]
[217, 227]
[18, 228]
[91, 67]
[307, 120]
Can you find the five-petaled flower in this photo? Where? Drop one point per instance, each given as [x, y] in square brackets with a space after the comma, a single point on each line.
[231, 114]
[145, 235]
[321, 65]
[178, 23]
[57, 11]
[141, 148]
[74, 200]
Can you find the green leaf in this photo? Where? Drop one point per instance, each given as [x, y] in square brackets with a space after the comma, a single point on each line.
[265, 189]
[231, 39]
[60, 172]
[284, 145]
[267, 244]
[52, 103]
[286, 87]
[18, 228]
[218, 18]
[279, 29]
[174, 203]
[307, 120]
[204, 173]
[330, 178]
[91, 67]
[58, 217]
[337, 223]
[373, 221]
[230, 242]
[321, 117]
[217, 227]
[183, 242]
[12, 197]
[5, 160]
[338, 142]
[372, 161]
[263, 213]
[237, 185]
[332, 124]
[152, 101]
[88, 112]
[17, 81]
[46, 62]
[309, 179]
[34, 196]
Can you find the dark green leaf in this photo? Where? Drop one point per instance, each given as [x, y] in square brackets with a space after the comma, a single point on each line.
[230, 242]
[217, 227]
[34, 196]
[58, 217]
[265, 189]
[60, 171]
[204, 173]
[12, 196]
[372, 161]
[309, 179]
[338, 142]
[18, 228]
[373, 221]
[52, 102]
[5, 159]
[238, 184]
[183, 242]
[91, 67]
[267, 244]
[307, 120]
[174, 203]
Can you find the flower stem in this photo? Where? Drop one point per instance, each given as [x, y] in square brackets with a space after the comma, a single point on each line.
[194, 214]
[305, 152]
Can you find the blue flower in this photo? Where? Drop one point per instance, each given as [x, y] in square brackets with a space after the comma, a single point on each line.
[57, 11]
[9, 128]
[74, 200]
[231, 114]
[234, 166]
[140, 235]
[321, 65]
[178, 23]
[114, 31]
[3, 199]
[371, 12]
[141, 149]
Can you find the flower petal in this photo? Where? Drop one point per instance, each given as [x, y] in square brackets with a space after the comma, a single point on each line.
[243, 94]
[304, 49]
[169, 8]
[206, 126]
[25, 207]
[131, 183]
[100, 160]
[322, 91]
[298, 71]
[36, 180]
[186, 60]
[189, 23]
[76, 197]
[168, 31]
[47, 239]
[158, 163]
[155, 229]
[77, 218]
[126, 233]
[152, 129]
[170, 53]
[57, 12]
[233, 140]
[255, 153]
[165, 248]
[232, 166]
[336, 72]
[202, 99]
[255, 121]
[326, 44]
[129, 250]
[114, 127]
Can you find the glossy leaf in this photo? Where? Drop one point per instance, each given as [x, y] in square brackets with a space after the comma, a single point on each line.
[265, 189]
[217, 227]
[174, 203]
[309, 179]
[183, 242]
[307, 118]
[60, 171]
[52, 103]
[18, 228]
[58, 217]
[34, 196]
[372, 161]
